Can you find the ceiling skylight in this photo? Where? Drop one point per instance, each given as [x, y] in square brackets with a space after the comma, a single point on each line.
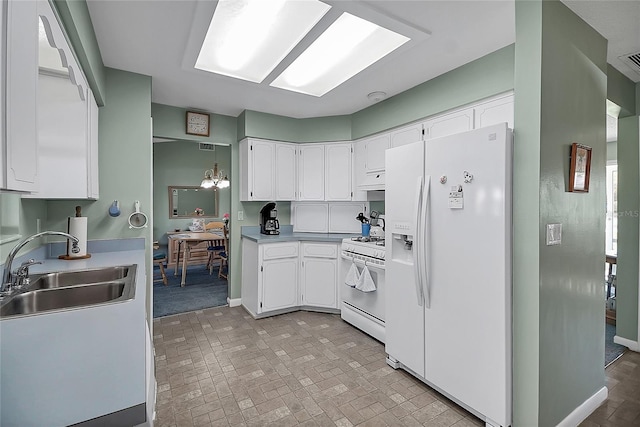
[347, 47]
[247, 39]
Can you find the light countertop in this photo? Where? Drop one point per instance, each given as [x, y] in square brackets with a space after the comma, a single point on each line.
[97, 352]
[287, 235]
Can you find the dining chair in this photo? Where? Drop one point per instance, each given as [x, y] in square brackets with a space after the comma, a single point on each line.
[159, 257]
[214, 248]
[224, 256]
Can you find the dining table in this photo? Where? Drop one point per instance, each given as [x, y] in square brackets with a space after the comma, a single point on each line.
[188, 239]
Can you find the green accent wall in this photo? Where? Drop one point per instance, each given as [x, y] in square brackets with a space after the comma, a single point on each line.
[76, 20]
[566, 83]
[628, 228]
[280, 128]
[182, 163]
[169, 122]
[125, 159]
[526, 212]
[621, 91]
[490, 75]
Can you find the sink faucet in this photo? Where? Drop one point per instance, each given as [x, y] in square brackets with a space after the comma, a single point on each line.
[9, 280]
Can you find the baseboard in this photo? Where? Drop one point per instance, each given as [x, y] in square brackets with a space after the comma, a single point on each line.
[234, 302]
[631, 345]
[585, 409]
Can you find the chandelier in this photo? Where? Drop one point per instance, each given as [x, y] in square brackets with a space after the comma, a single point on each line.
[213, 178]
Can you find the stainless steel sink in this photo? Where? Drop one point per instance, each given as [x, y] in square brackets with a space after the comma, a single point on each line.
[79, 277]
[67, 290]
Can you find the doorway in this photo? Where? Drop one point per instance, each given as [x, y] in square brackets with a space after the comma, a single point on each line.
[181, 165]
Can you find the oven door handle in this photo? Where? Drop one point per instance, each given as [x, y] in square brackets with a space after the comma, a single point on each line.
[369, 264]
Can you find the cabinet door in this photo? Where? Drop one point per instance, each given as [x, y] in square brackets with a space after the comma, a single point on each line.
[94, 184]
[319, 278]
[338, 172]
[63, 143]
[279, 284]
[374, 149]
[493, 112]
[449, 124]
[21, 167]
[406, 135]
[262, 170]
[311, 172]
[285, 172]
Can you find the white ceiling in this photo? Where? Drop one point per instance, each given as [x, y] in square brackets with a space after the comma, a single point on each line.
[160, 38]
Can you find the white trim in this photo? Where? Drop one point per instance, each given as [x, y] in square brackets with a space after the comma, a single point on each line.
[585, 409]
[234, 302]
[631, 345]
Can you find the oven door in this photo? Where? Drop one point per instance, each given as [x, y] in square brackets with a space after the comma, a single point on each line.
[369, 303]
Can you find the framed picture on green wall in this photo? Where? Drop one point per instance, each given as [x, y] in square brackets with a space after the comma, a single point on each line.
[580, 169]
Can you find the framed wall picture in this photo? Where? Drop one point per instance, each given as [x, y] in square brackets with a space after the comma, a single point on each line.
[197, 123]
[580, 169]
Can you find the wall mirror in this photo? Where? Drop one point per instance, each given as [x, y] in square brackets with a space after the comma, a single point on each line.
[184, 200]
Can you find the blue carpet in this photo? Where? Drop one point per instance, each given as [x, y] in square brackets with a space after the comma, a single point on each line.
[200, 291]
[611, 350]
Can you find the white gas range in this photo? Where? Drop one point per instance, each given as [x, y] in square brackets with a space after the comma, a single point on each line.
[364, 309]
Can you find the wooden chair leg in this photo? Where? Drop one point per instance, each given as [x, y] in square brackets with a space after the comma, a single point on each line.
[164, 276]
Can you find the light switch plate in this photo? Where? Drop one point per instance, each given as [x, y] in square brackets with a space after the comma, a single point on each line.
[240, 215]
[554, 234]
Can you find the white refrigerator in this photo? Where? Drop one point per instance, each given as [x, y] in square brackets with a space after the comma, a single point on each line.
[448, 267]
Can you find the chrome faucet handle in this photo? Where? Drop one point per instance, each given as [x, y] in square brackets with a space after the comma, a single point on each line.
[22, 273]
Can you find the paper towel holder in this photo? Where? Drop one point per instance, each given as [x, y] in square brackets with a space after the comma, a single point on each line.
[138, 219]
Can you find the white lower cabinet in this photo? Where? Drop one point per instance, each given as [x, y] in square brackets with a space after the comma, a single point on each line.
[276, 278]
[319, 275]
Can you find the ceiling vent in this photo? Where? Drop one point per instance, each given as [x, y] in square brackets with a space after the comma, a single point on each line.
[207, 147]
[632, 60]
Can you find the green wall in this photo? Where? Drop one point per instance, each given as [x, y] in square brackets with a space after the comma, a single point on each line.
[182, 163]
[169, 122]
[280, 128]
[490, 75]
[561, 70]
[621, 91]
[628, 228]
[526, 211]
[125, 159]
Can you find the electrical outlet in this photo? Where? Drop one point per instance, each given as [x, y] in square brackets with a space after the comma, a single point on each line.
[240, 215]
[38, 225]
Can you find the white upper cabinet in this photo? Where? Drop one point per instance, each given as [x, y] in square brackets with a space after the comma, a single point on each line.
[369, 162]
[267, 170]
[67, 124]
[257, 170]
[285, 171]
[449, 124]
[406, 135]
[338, 172]
[496, 111]
[19, 169]
[311, 168]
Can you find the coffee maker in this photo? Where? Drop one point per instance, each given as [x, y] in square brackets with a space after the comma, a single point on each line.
[269, 223]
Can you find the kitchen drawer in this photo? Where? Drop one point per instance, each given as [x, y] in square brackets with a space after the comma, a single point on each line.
[320, 250]
[279, 250]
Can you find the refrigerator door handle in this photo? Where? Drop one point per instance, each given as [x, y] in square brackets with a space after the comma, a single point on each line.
[416, 240]
[424, 243]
